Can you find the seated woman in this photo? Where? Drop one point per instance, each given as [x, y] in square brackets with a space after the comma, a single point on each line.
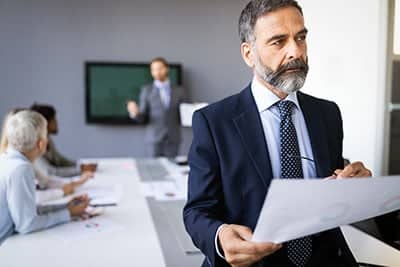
[53, 162]
[49, 187]
[26, 133]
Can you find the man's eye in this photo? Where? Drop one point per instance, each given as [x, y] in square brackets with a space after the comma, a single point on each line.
[277, 42]
[301, 38]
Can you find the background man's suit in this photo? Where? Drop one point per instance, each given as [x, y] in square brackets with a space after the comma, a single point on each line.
[231, 172]
[164, 127]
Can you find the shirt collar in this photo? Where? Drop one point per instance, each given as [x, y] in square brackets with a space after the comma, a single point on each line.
[160, 84]
[265, 98]
[12, 152]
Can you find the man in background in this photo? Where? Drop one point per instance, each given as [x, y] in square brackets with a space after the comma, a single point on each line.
[159, 109]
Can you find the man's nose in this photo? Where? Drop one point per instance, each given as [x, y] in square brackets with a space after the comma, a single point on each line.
[294, 50]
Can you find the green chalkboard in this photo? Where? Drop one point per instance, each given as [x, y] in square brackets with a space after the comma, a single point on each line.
[110, 85]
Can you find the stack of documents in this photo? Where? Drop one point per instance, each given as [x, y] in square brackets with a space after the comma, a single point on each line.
[297, 208]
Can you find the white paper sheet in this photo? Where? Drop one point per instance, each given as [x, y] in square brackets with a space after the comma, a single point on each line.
[368, 249]
[174, 170]
[167, 190]
[186, 112]
[297, 208]
[85, 230]
[99, 195]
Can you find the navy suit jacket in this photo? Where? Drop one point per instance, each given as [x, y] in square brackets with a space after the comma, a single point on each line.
[230, 172]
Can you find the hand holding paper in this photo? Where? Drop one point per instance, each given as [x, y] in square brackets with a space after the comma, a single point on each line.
[323, 204]
[238, 248]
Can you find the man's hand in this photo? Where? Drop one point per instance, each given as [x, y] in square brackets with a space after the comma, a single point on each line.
[77, 206]
[239, 250]
[132, 108]
[353, 170]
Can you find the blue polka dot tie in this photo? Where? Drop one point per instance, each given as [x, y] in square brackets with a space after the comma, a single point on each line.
[299, 250]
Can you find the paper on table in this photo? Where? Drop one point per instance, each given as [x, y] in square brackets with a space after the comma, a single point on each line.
[103, 195]
[165, 190]
[297, 208]
[147, 189]
[99, 195]
[368, 249]
[173, 169]
[85, 230]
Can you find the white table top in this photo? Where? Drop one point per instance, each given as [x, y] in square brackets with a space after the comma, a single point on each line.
[134, 243]
[368, 249]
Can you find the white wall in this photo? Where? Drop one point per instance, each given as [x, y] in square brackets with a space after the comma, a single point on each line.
[347, 53]
[396, 43]
[43, 44]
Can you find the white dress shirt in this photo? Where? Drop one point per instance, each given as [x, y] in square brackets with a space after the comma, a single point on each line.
[49, 187]
[17, 198]
[270, 119]
[164, 90]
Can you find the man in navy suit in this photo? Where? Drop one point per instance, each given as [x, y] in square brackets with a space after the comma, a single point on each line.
[269, 130]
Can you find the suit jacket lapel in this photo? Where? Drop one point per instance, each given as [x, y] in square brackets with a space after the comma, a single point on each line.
[248, 124]
[173, 96]
[318, 135]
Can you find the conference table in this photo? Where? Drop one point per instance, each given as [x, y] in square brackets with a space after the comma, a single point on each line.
[132, 241]
[140, 230]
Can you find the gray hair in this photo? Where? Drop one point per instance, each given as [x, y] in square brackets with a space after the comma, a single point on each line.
[24, 129]
[256, 9]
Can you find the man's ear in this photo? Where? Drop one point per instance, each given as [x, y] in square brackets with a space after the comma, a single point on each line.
[247, 54]
[42, 144]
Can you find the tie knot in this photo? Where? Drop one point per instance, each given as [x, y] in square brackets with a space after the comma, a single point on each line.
[285, 108]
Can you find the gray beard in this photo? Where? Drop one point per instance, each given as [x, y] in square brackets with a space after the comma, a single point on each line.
[286, 82]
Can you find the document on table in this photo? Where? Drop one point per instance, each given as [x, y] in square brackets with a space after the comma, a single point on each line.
[173, 169]
[167, 190]
[368, 249]
[85, 230]
[297, 208]
[104, 195]
[186, 111]
[98, 194]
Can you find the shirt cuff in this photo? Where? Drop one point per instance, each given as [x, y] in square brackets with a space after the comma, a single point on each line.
[64, 215]
[43, 196]
[216, 241]
[132, 116]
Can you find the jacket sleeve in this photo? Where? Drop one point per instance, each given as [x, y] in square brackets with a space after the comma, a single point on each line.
[204, 208]
[144, 107]
[339, 137]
